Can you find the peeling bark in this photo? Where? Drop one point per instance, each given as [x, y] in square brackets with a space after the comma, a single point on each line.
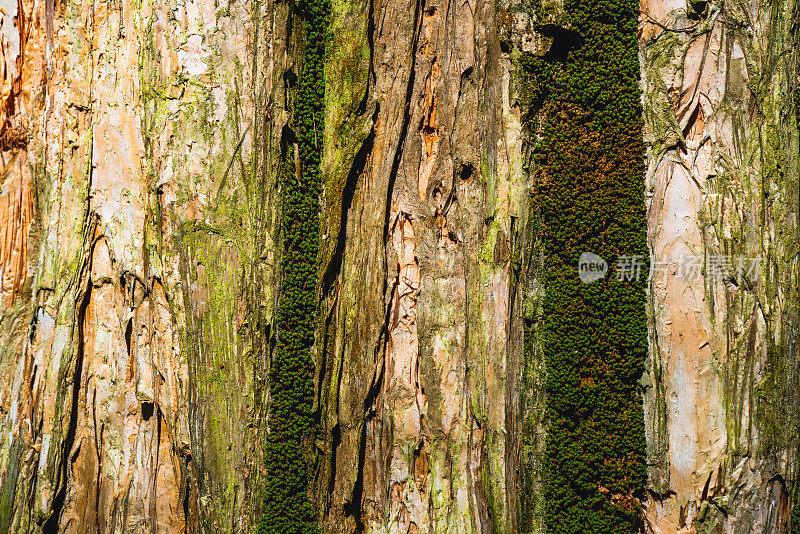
[721, 404]
[135, 356]
[420, 329]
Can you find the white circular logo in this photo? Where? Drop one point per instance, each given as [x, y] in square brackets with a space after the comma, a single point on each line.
[591, 267]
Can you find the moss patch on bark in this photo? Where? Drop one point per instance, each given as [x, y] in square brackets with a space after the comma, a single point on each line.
[287, 506]
[586, 116]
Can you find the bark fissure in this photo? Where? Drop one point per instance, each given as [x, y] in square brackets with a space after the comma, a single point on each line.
[398, 155]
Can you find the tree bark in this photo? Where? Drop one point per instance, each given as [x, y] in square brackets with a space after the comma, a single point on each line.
[140, 261]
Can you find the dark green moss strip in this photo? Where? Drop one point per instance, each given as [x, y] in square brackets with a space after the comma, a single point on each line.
[795, 520]
[287, 506]
[589, 165]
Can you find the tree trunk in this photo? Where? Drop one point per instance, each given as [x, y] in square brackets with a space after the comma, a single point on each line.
[143, 261]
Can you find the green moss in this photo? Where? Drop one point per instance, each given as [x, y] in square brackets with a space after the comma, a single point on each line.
[589, 166]
[287, 507]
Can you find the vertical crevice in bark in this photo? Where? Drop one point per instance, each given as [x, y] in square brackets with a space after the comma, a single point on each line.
[190, 499]
[155, 465]
[398, 155]
[370, 81]
[52, 523]
[354, 507]
[357, 168]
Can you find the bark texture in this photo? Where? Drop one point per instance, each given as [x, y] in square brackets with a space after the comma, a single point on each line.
[141, 247]
[722, 387]
[134, 326]
[417, 394]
